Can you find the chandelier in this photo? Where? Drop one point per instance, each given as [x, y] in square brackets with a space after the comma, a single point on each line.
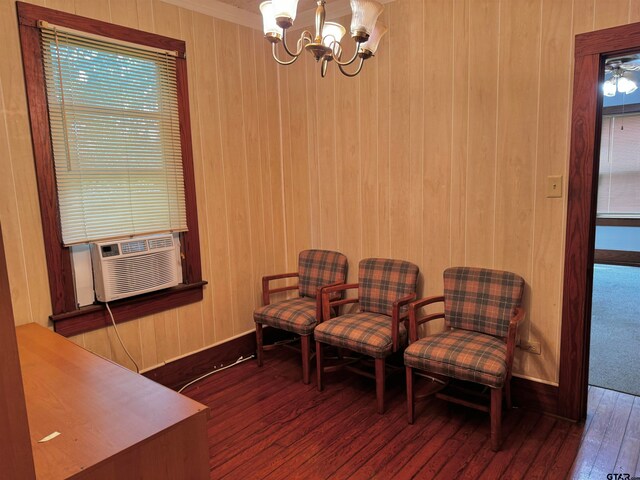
[325, 45]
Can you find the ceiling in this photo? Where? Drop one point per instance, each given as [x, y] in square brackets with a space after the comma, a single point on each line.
[254, 5]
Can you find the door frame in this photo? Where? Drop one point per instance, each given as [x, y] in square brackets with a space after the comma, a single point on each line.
[591, 51]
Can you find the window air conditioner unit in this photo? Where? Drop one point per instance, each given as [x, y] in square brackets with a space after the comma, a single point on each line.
[123, 268]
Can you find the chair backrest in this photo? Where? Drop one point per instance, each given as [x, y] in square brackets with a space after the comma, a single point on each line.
[480, 299]
[317, 268]
[382, 281]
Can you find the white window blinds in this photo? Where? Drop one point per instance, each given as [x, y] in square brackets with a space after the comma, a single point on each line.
[619, 179]
[116, 137]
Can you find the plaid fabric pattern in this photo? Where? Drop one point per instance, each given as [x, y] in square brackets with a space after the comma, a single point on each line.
[461, 354]
[297, 315]
[367, 333]
[383, 281]
[317, 268]
[480, 299]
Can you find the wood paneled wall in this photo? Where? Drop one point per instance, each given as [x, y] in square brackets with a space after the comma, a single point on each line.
[236, 143]
[439, 151]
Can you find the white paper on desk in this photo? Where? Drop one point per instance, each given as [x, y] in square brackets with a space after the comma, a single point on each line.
[49, 437]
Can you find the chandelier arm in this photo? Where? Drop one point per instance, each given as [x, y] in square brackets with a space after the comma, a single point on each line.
[352, 59]
[306, 35]
[347, 74]
[281, 62]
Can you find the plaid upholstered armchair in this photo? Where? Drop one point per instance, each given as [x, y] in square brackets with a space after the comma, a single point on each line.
[482, 309]
[377, 330]
[316, 269]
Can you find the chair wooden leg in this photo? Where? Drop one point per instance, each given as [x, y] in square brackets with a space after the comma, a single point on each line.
[380, 384]
[305, 341]
[319, 365]
[496, 418]
[410, 396]
[507, 393]
[259, 350]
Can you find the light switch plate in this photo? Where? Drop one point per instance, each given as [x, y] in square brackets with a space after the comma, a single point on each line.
[554, 186]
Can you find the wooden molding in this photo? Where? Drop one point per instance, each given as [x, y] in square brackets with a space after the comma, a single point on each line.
[93, 317]
[533, 395]
[591, 50]
[617, 257]
[180, 372]
[621, 109]
[617, 222]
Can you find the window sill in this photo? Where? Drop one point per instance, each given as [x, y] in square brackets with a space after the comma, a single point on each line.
[93, 317]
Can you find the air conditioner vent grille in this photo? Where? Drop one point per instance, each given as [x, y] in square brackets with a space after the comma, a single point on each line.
[162, 242]
[143, 272]
[134, 246]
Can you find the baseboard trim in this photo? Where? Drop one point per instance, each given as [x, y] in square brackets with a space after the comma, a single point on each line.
[179, 372]
[526, 393]
[533, 395]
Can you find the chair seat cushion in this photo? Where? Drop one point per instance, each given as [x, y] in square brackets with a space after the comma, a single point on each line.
[297, 315]
[367, 333]
[461, 354]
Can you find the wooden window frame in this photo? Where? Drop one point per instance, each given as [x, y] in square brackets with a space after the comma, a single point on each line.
[67, 318]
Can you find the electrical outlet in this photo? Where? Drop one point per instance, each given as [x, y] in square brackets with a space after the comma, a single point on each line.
[530, 346]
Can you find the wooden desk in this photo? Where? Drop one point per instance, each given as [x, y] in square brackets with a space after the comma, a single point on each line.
[113, 422]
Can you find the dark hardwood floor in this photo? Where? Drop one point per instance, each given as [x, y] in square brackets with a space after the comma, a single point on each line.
[266, 424]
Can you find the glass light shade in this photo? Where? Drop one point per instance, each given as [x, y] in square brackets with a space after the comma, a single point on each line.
[365, 13]
[609, 88]
[269, 20]
[285, 8]
[626, 86]
[332, 32]
[374, 39]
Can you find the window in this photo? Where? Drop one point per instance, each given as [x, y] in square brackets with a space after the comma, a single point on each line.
[112, 147]
[113, 116]
[619, 178]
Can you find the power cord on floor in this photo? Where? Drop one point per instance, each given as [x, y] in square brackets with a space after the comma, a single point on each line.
[120, 339]
[239, 360]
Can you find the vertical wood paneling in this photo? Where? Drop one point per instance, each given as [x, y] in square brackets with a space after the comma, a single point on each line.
[552, 149]
[484, 64]
[437, 153]
[399, 174]
[436, 171]
[466, 117]
[459, 134]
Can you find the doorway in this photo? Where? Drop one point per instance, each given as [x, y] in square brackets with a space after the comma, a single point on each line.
[591, 53]
[615, 313]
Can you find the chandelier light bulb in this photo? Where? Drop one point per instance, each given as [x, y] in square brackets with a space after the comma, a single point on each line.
[271, 28]
[371, 45]
[284, 12]
[332, 33]
[365, 13]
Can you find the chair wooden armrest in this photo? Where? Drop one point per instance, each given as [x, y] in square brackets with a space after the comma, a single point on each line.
[395, 317]
[516, 317]
[327, 303]
[415, 321]
[319, 299]
[266, 292]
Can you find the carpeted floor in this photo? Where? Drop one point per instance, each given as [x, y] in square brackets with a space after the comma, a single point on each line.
[615, 329]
